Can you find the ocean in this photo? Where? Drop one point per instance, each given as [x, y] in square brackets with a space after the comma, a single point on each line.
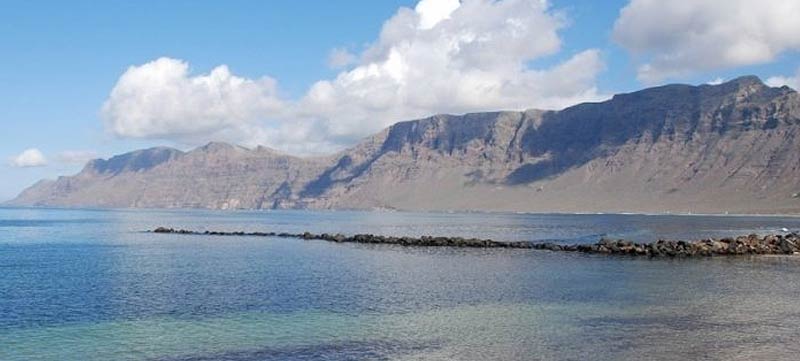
[88, 284]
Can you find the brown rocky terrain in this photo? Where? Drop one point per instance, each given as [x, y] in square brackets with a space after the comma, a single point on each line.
[732, 147]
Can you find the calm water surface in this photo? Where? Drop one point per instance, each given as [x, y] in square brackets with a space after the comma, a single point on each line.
[90, 285]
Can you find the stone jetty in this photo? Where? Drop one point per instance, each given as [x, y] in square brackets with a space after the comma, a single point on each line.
[743, 245]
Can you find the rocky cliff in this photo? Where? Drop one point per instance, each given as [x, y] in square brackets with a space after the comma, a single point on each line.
[732, 147]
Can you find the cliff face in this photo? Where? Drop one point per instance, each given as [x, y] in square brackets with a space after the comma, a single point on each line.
[217, 175]
[726, 148]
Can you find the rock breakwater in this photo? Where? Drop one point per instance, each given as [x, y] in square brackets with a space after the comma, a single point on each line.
[743, 245]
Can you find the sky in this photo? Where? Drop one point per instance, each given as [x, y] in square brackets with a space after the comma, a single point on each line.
[91, 79]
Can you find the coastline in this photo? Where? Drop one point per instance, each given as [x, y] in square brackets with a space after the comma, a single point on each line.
[387, 210]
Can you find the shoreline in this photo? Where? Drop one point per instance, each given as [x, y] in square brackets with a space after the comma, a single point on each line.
[772, 244]
[387, 210]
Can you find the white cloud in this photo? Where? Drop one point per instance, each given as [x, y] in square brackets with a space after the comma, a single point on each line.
[76, 156]
[432, 12]
[340, 58]
[790, 81]
[716, 81]
[473, 59]
[29, 158]
[441, 56]
[160, 99]
[679, 37]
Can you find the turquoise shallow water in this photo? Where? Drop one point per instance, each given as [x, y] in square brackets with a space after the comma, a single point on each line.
[90, 285]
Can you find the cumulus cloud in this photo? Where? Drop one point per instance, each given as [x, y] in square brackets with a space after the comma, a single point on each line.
[441, 56]
[28, 158]
[455, 59]
[679, 37]
[160, 99]
[340, 58]
[790, 81]
[432, 12]
[76, 156]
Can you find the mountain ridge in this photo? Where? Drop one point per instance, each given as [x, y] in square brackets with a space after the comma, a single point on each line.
[731, 147]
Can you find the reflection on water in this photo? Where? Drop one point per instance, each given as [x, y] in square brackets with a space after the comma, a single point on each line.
[89, 285]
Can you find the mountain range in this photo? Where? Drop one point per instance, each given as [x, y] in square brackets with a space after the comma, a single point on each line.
[732, 147]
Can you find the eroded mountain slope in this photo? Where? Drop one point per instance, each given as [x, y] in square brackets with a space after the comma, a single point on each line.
[731, 147]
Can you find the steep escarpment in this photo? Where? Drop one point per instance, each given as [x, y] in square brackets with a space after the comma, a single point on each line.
[731, 147]
[676, 148]
[217, 175]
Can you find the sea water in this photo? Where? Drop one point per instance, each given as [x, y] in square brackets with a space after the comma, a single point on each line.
[92, 285]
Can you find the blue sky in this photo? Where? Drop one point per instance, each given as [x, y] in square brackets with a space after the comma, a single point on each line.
[67, 89]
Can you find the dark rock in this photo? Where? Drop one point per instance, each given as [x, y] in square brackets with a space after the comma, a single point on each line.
[743, 245]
